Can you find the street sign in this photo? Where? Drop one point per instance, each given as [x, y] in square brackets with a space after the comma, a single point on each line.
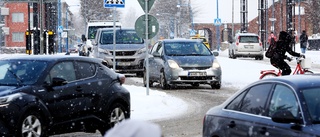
[114, 3]
[153, 26]
[217, 22]
[60, 29]
[143, 4]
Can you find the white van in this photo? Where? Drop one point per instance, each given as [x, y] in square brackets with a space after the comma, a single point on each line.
[94, 25]
[246, 45]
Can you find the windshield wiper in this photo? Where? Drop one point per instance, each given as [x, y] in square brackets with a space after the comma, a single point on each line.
[16, 76]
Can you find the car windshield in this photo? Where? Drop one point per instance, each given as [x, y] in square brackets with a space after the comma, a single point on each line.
[122, 37]
[186, 49]
[20, 72]
[93, 29]
[249, 39]
[312, 98]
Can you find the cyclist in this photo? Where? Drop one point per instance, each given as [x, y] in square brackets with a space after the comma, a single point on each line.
[283, 46]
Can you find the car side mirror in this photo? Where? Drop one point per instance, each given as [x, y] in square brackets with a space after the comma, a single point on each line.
[156, 54]
[58, 82]
[284, 116]
[215, 53]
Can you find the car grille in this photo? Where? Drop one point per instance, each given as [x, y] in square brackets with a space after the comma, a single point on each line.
[124, 53]
[124, 60]
[195, 68]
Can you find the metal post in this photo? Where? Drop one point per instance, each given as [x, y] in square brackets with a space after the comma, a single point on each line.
[299, 18]
[273, 10]
[41, 27]
[114, 38]
[232, 32]
[218, 28]
[67, 40]
[147, 45]
[59, 24]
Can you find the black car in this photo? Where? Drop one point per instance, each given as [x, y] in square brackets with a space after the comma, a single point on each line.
[287, 106]
[43, 95]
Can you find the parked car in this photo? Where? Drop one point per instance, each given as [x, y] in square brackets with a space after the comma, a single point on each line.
[287, 106]
[130, 50]
[43, 95]
[182, 61]
[246, 45]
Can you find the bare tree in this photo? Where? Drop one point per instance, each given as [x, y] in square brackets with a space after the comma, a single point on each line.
[94, 10]
[313, 15]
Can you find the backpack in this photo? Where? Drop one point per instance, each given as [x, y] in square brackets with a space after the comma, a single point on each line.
[271, 49]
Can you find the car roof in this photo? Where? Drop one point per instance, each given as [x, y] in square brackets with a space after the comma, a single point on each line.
[298, 81]
[181, 40]
[49, 58]
[246, 34]
[117, 28]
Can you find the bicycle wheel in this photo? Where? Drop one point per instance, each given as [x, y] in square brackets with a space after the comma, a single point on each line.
[268, 75]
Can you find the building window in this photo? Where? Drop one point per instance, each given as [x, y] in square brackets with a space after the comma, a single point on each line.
[17, 37]
[17, 17]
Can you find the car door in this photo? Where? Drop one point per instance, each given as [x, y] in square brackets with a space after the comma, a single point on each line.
[65, 101]
[245, 111]
[283, 98]
[155, 61]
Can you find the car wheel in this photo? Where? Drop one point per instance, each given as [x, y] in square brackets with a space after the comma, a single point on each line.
[216, 85]
[31, 124]
[115, 115]
[163, 81]
[145, 79]
[139, 74]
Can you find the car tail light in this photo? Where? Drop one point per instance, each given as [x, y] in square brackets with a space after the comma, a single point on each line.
[237, 43]
[121, 78]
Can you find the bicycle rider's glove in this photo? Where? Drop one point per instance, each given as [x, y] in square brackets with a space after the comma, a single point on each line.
[302, 56]
[289, 59]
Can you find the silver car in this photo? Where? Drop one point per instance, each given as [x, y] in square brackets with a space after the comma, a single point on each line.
[246, 45]
[129, 49]
[182, 61]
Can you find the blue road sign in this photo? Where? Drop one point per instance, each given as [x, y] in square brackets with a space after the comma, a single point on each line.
[217, 22]
[60, 29]
[114, 3]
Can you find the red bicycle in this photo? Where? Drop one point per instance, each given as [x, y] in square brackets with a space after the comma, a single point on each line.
[302, 67]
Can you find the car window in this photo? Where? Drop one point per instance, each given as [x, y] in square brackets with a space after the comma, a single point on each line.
[312, 100]
[122, 37]
[154, 48]
[85, 69]
[283, 98]
[249, 39]
[186, 48]
[253, 100]
[63, 70]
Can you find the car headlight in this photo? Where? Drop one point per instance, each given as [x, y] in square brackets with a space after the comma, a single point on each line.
[215, 64]
[6, 99]
[104, 51]
[173, 64]
[141, 51]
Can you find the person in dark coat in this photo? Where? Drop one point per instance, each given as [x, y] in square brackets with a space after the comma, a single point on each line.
[303, 41]
[283, 46]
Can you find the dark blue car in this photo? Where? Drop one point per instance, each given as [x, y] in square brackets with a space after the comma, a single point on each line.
[43, 95]
[287, 106]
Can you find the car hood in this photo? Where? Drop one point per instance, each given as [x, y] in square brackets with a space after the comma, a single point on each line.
[6, 90]
[193, 61]
[122, 46]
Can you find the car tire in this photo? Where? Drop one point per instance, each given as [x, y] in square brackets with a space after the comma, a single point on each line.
[31, 124]
[216, 85]
[163, 82]
[139, 74]
[115, 114]
[145, 80]
[195, 84]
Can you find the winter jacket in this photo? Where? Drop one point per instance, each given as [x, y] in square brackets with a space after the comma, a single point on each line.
[303, 40]
[283, 46]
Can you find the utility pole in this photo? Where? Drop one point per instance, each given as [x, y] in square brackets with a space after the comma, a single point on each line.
[59, 24]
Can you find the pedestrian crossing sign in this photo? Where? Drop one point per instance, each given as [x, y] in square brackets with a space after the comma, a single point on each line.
[217, 22]
[114, 3]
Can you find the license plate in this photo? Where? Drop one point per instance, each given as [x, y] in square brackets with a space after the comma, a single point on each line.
[197, 74]
[248, 46]
[123, 63]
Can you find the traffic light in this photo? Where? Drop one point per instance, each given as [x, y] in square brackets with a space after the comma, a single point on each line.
[28, 42]
[51, 41]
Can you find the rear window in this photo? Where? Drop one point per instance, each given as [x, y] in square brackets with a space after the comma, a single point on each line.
[249, 39]
[122, 37]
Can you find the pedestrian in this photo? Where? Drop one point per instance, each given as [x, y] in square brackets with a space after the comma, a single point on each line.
[303, 41]
[283, 46]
